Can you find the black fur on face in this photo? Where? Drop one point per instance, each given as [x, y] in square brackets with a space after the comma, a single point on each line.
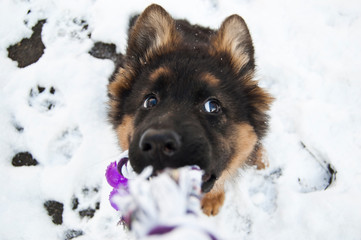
[186, 95]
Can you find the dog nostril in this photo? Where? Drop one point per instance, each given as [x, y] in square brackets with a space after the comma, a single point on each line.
[170, 148]
[146, 147]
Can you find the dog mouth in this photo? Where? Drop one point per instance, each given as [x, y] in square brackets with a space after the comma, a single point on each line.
[208, 181]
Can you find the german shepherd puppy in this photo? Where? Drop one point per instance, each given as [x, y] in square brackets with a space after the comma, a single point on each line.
[186, 95]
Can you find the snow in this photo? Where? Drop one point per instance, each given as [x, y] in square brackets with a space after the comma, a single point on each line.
[308, 58]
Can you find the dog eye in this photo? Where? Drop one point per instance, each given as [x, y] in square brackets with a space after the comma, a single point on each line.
[150, 102]
[212, 106]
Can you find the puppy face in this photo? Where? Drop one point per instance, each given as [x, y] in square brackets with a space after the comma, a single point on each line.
[186, 96]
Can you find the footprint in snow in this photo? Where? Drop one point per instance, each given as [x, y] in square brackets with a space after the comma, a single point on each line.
[319, 173]
[263, 190]
[314, 173]
[86, 202]
[55, 211]
[44, 99]
[63, 148]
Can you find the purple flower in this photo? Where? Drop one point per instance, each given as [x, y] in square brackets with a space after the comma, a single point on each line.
[114, 178]
[111, 199]
[117, 181]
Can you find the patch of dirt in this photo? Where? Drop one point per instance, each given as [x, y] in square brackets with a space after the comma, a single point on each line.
[24, 159]
[55, 210]
[28, 50]
[107, 51]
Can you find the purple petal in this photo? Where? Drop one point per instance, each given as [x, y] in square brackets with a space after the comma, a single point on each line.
[123, 182]
[120, 192]
[212, 236]
[111, 200]
[195, 167]
[161, 230]
[112, 175]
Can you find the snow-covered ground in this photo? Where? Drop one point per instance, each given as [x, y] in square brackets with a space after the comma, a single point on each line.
[308, 55]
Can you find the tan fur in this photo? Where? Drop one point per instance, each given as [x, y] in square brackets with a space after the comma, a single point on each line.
[125, 131]
[164, 27]
[259, 159]
[157, 25]
[210, 79]
[231, 39]
[161, 71]
[122, 81]
[245, 140]
[262, 99]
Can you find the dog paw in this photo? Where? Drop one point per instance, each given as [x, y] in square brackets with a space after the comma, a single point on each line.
[44, 99]
[212, 203]
[87, 202]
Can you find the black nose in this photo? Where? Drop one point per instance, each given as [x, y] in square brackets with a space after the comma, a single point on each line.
[159, 143]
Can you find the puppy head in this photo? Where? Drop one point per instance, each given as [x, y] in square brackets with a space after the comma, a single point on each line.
[180, 102]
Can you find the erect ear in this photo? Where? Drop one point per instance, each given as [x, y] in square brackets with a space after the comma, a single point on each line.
[234, 39]
[153, 32]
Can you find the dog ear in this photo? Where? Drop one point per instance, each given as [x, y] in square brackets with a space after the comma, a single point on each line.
[233, 38]
[154, 32]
